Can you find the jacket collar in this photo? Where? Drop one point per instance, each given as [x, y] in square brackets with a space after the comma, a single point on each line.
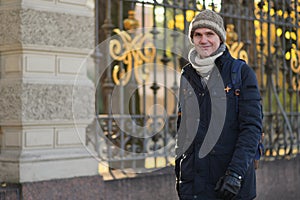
[224, 58]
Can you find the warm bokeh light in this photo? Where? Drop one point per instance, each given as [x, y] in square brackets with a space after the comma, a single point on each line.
[287, 35]
[288, 55]
[279, 32]
[293, 36]
[190, 15]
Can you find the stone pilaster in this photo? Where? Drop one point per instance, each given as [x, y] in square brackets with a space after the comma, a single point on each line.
[46, 98]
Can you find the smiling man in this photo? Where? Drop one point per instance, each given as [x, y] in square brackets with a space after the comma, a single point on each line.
[219, 124]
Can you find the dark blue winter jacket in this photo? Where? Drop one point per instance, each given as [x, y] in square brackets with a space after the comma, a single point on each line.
[216, 131]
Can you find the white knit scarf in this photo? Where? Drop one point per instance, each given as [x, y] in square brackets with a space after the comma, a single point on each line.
[204, 66]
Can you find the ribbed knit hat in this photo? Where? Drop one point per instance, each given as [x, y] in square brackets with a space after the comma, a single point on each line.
[208, 19]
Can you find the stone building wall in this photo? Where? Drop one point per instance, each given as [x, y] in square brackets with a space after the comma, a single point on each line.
[46, 97]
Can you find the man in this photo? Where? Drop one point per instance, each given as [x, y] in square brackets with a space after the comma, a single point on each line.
[218, 127]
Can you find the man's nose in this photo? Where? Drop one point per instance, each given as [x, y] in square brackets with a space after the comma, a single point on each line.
[203, 39]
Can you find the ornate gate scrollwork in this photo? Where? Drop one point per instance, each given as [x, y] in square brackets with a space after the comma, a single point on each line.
[235, 47]
[133, 52]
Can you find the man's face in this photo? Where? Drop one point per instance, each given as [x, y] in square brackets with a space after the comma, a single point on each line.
[206, 42]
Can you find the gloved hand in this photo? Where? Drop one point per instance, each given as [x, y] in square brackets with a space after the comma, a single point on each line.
[228, 186]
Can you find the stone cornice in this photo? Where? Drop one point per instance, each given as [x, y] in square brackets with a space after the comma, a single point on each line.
[19, 48]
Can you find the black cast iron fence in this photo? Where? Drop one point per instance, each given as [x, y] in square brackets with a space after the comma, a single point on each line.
[145, 52]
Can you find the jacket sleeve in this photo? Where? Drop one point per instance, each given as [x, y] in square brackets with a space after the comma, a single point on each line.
[250, 123]
[180, 128]
[180, 122]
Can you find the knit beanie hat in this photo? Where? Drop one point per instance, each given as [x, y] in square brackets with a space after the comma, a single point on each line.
[208, 19]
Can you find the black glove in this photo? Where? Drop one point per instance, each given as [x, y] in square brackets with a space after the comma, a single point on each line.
[228, 186]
